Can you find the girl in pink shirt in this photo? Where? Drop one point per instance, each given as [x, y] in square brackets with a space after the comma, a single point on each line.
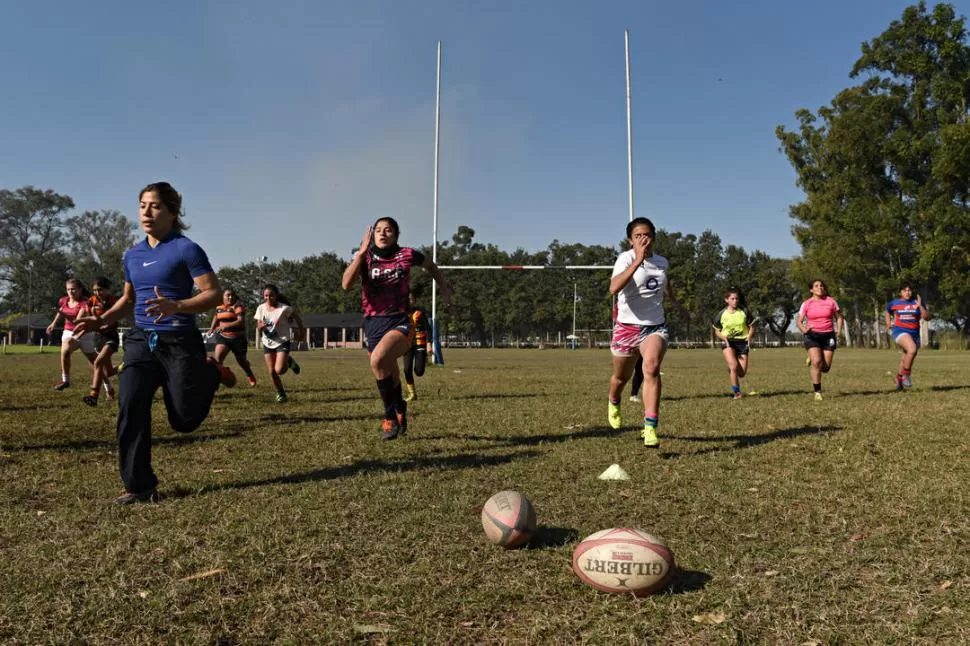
[68, 309]
[820, 322]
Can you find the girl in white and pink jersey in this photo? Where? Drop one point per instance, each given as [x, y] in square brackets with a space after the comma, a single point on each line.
[820, 322]
[69, 308]
[384, 269]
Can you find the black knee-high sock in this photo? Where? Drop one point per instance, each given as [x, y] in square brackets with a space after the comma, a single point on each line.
[388, 395]
[400, 405]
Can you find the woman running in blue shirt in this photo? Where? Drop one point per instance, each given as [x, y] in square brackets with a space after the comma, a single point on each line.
[164, 348]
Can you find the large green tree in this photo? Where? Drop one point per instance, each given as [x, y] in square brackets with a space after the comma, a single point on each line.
[34, 238]
[886, 170]
[97, 241]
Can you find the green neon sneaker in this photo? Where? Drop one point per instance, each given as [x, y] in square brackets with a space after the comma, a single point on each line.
[613, 416]
[649, 435]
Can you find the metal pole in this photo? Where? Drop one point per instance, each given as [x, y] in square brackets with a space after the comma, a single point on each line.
[434, 220]
[629, 127]
[574, 315]
[30, 297]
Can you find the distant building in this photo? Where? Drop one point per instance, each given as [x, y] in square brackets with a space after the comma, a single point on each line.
[333, 330]
[28, 330]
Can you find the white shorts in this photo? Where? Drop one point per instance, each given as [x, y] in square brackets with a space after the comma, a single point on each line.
[627, 337]
[85, 343]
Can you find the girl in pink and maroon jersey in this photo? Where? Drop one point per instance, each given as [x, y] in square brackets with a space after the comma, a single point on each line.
[384, 269]
[68, 309]
[820, 321]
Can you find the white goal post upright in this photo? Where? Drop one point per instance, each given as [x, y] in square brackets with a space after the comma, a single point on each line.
[436, 354]
[435, 342]
[629, 127]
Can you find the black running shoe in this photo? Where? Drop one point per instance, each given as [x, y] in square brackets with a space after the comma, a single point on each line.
[390, 429]
[129, 498]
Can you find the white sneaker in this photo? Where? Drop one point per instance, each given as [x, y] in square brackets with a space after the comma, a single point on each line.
[634, 399]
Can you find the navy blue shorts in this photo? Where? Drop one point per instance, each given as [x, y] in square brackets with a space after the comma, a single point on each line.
[283, 347]
[740, 346]
[375, 327]
[820, 340]
[238, 345]
[109, 339]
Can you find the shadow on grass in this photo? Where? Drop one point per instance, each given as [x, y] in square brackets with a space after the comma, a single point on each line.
[688, 581]
[780, 393]
[35, 408]
[283, 418]
[366, 392]
[532, 440]
[943, 389]
[546, 537]
[88, 445]
[718, 395]
[496, 396]
[362, 467]
[748, 441]
[866, 393]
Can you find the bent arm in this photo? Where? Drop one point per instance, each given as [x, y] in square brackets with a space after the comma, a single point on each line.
[208, 297]
[429, 266]
[352, 272]
[618, 282]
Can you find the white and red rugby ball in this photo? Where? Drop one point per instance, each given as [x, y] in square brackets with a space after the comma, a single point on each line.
[624, 560]
[509, 519]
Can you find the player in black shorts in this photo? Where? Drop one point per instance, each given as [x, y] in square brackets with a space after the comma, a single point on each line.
[229, 329]
[106, 342]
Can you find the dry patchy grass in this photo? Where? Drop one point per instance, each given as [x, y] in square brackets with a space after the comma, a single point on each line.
[792, 521]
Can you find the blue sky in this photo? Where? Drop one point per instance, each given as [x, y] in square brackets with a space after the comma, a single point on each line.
[290, 126]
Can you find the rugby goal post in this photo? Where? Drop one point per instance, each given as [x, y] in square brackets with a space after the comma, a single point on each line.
[437, 357]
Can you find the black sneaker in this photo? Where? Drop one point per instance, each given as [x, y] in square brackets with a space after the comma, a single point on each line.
[129, 498]
[390, 429]
[62, 385]
[294, 366]
[90, 400]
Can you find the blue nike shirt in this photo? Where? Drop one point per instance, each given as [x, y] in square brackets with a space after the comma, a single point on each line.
[172, 266]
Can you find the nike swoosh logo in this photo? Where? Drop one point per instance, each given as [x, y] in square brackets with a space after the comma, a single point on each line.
[145, 264]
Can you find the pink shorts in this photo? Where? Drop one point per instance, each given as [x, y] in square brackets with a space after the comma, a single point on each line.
[627, 337]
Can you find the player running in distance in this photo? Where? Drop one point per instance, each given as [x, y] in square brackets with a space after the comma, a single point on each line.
[417, 357]
[902, 320]
[640, 283]
[820, 322]
[384, 270]
[276, 320]
[229, 329]
[735, 327]
[106, 341]
[69, 308]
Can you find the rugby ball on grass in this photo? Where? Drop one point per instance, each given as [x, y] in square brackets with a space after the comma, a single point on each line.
[623, 560]
[509, 519]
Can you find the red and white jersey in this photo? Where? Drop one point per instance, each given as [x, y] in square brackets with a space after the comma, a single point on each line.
[385, 282]
[70, 312]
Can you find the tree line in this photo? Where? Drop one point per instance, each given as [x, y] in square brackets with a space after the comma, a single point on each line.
[885, 169]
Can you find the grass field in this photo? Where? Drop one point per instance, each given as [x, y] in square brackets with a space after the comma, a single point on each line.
[793, 521]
